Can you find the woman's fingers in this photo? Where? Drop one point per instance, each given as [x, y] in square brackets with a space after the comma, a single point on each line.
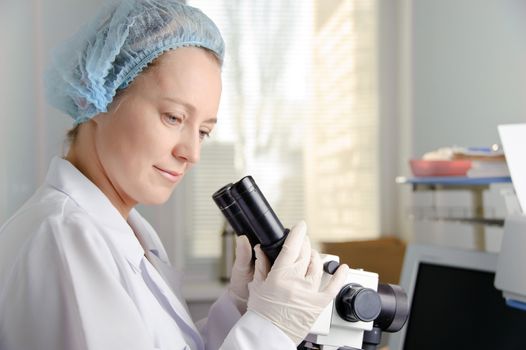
[262, 266]
[337, 281]
[243, 258]
[293, 246]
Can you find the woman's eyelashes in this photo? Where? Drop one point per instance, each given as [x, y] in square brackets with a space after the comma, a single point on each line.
[178, 120]
[173, 119]
[204, 134]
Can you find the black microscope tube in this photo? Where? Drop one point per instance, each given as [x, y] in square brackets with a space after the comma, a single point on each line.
[260, 215]
[233, 213]
[264, 222]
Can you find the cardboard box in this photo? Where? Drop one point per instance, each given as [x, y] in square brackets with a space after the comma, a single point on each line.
[384, 256]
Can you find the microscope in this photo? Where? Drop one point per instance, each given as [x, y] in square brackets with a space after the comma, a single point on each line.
[363, 308]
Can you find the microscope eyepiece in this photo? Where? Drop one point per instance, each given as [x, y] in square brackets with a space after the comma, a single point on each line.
[233, 213]
[248, 212]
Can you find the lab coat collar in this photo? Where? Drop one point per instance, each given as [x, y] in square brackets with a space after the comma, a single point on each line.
[156, 253]
[65, 177]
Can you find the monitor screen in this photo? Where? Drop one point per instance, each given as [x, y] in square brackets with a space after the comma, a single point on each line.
[454, 304]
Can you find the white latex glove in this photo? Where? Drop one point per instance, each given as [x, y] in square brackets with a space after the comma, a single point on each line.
[242, 274]
[290, 295]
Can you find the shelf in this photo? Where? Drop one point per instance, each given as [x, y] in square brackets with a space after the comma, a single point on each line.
[452, 180]
[455, 183]
[477, 221]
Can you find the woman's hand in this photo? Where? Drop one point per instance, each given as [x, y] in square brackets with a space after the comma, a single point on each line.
[290, 294]
[242, 274]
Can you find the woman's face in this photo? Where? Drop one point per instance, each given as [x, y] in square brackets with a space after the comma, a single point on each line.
[152, 134]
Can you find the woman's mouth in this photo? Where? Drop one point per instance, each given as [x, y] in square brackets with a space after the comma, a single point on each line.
[171, 176]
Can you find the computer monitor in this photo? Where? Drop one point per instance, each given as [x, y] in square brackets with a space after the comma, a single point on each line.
[454, 304]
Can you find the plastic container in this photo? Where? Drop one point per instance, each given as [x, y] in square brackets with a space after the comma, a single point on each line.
[421, 167]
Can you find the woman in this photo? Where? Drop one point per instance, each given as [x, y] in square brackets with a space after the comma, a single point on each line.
[79, 267]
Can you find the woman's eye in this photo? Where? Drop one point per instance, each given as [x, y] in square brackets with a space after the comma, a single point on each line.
[204, 134]
[173, 119]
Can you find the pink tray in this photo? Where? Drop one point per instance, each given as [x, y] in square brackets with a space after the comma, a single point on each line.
[421, 167]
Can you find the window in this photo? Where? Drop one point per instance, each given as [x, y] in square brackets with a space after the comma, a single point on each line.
[299, 113]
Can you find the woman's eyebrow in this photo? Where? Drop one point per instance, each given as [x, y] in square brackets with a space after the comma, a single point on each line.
[186, 105]
[211, 120]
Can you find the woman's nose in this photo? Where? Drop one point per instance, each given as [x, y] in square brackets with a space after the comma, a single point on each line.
[188, 147]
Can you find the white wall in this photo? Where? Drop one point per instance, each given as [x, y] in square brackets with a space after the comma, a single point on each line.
[17, 96]
[389, 113]
[31, 132]
[469, 60]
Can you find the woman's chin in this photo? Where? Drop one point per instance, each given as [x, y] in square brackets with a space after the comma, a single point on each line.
[156, 198]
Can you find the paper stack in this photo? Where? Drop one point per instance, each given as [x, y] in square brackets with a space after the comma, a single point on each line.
[485, 161]
[488, 168]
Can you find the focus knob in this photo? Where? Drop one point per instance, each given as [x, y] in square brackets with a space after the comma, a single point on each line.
[356, 303]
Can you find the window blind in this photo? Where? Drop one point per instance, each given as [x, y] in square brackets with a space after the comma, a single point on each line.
[299, 112]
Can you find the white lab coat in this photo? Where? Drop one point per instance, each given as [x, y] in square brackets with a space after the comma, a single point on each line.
[74, 276]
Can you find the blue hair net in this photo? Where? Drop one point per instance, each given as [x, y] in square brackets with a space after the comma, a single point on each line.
[108, 53]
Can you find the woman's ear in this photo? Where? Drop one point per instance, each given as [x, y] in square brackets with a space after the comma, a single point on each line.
[96, 120]
[119, 97]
